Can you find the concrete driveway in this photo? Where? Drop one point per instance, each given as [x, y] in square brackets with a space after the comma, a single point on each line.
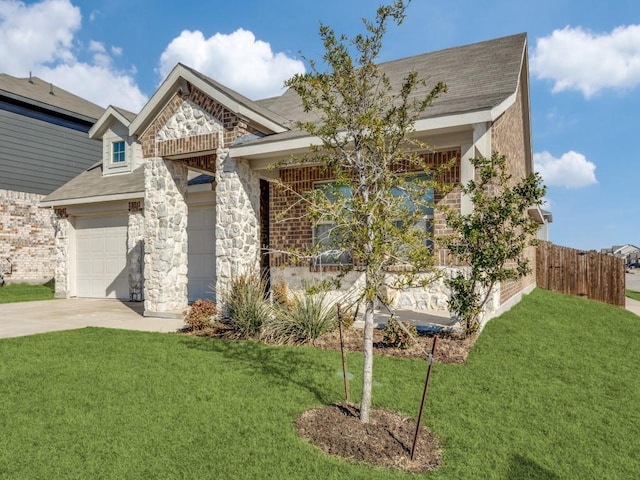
[28, 318]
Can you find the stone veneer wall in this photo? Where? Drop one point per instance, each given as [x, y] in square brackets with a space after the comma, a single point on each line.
[165, 236]
[237, 219]
[135, 251]
[62, 252]
[432, 299]
[507, 138]
[26, 237]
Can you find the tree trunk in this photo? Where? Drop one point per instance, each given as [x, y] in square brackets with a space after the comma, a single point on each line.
[367, 371]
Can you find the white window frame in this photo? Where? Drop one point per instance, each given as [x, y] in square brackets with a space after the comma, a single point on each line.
[113, 152]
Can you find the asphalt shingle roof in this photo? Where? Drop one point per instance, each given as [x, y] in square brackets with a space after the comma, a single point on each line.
[479, 76]
[35, 90]
[91, 183]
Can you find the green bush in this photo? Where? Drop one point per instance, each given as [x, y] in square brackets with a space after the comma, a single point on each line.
[246, 304]
[396, 336]
[201, 313]
[302, 320]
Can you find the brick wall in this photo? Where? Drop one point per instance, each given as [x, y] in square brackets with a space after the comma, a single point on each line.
[507, 138]
[26, 236]
[292, 230]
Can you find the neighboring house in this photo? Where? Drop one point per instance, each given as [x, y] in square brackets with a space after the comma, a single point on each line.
[137, 226]
[544, 221]
[43, 144]
[629, 252]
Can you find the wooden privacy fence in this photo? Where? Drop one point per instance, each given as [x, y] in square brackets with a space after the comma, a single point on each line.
[577, 272]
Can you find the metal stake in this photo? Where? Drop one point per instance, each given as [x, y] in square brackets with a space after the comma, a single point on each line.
[424, 397]
[344, 358]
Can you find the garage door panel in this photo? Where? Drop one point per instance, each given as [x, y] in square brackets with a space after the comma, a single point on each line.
[201, 255]
[101, 257]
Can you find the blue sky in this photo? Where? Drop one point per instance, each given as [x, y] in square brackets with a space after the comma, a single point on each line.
[584, 61]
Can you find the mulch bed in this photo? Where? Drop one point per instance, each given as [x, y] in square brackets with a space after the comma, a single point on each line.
[449, 348]
[385, 441]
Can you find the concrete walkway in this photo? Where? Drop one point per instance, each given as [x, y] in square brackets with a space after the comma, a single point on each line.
[632, 305]
[28, 318]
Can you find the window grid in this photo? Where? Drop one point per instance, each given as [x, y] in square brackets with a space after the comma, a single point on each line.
[118, 152]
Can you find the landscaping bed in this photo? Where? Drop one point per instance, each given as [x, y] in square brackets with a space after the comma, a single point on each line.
[449, 349]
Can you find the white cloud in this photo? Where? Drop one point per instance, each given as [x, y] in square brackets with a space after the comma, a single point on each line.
[96, 47]
[237, 60]
[571, 170]
[31, 35]
[39, 38]
[577, 59]
[97, 83]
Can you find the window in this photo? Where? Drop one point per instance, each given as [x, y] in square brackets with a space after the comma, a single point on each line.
[425, 224]
[426, 202]
[330, 252]
[118, 152]
[324, 235]
[327, 239]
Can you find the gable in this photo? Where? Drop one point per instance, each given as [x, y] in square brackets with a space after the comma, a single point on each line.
[192, 123]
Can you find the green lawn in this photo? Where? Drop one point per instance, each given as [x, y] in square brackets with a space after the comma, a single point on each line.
[632, 294]
[25, 292]
[550, 391]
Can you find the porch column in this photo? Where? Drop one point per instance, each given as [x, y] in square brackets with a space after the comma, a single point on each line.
[62, 241]
[237, 220]
[467, 173]
[165, 237]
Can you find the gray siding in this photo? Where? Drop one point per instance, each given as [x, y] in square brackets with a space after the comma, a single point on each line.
[38, 157]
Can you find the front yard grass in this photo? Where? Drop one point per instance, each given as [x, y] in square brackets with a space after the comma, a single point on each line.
[26, 292]
[549, 391]
[632, 294]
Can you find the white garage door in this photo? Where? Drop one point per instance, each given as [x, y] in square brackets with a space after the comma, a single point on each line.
[101, 257]
[201, 229]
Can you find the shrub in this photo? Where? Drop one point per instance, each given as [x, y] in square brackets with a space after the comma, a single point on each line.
[308, 318]
[281, 295]
[247, 306]
[396, 336]
[200, 314]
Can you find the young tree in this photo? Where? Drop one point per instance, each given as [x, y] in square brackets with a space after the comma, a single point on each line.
[492, 239]
[376, 206]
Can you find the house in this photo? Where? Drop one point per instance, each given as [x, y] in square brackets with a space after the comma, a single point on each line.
[43, 144]
[543, 231]
[629, 252]
[182, 203]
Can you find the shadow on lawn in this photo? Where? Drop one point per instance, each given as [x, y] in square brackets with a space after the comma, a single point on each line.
[522, 467]
[283, 366]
